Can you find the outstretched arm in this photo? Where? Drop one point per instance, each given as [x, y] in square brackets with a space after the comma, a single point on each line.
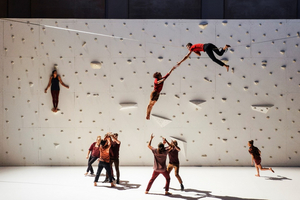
[164, 139]
[62, 82]
[149, 144]
[166, 76]
[185, 57]
[48, 84]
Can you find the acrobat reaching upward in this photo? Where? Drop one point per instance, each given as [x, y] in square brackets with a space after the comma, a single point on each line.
[209, 49]
[158, 85]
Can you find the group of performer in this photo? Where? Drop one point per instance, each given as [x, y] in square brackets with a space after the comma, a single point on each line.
[106, 150]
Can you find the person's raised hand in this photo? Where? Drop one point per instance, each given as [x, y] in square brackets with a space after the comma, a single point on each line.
[152, 136]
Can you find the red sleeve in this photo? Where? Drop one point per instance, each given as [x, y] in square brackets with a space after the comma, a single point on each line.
[92, 146]
[192, 48]
[155, 81]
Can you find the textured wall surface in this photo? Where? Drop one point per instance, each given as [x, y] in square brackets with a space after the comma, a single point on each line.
[264, 56]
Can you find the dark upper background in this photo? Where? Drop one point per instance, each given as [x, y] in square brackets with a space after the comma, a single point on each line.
[151, 9]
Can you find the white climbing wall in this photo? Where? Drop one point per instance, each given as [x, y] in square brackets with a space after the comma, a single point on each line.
[212, 112]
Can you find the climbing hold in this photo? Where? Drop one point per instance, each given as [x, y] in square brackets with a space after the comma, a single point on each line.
[197, 102]
[162, 121]
[262, 108]
[128, 105]
[203, 25]
[96, 65]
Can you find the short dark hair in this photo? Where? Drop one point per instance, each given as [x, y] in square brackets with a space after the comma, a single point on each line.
[115, 134]
[161, 148]
[156, 74]
[189, 44]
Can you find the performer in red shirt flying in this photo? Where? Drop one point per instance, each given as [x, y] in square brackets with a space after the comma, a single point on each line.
[209, 49]
[158, 85]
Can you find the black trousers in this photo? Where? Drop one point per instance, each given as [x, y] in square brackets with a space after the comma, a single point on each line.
[210, 49]
[114, 161]
[102, 165]
[92, 159]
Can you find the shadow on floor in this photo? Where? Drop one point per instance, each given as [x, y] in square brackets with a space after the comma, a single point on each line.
[199, 194]
[124, 185]
[278, 178]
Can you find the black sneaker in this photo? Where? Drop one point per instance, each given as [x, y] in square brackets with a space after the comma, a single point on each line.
[182, 187]
[105, 181]
[118, 182]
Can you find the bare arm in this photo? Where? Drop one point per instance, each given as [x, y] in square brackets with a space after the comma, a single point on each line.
[252, 159]
[61, 82]
[164, 139]
[185, 57]
[149, 144]
[177, 148]
[198, 53]
[48, 84]
[163, 79]
[88, 154]
[115, 139]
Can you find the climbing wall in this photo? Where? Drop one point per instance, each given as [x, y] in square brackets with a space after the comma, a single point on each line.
[109, 64]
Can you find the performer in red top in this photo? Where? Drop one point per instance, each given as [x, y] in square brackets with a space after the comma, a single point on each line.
[93, 155]
[158, 85]
[209, 49]
[255, 156]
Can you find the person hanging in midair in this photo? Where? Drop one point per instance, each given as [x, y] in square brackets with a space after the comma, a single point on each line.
[54, 82]
[158, 85]
[209, 49]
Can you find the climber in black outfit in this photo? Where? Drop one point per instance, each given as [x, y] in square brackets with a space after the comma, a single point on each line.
[54, 82]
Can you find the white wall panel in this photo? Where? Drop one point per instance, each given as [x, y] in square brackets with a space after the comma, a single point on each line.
[216, 132]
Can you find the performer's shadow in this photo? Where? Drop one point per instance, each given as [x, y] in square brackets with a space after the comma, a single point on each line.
[278, 178]
[199, 194]
[124, 185]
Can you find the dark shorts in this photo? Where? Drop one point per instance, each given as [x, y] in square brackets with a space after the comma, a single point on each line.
[257, 161]
[154, 96]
